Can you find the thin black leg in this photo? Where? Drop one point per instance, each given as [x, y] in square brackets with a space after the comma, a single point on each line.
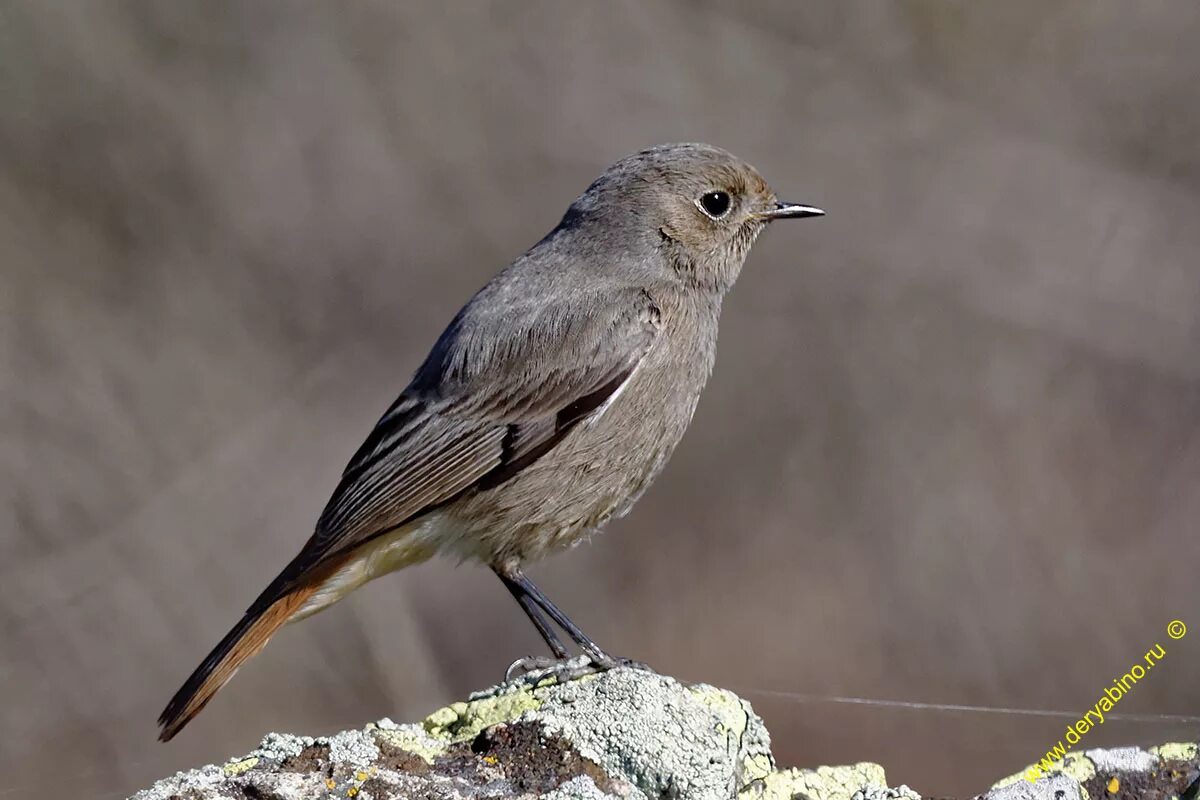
[520, 583]
[530, 607]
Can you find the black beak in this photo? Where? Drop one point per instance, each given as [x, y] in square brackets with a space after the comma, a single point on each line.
[790, 211]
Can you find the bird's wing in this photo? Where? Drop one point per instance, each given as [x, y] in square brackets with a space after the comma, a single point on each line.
[494, 395]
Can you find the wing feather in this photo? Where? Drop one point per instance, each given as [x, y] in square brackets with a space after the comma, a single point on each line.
[484, 406]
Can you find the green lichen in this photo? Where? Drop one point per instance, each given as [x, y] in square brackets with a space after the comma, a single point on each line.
[237, 767]
[1077, 766]
[757, 767]
[726, 705]
[412, 739]
[437, 722]
[457, 722]
[1073, 765]
[733, 717]
[823, 783]
[782, 785]
[461, 722]
[1177, 751]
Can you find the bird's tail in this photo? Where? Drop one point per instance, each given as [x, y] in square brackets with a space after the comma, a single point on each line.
[246, 639]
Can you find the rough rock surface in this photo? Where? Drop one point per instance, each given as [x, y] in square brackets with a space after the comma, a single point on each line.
[1166, 772]
[622, 734]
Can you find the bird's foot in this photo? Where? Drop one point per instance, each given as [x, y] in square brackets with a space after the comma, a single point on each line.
[629, 663]
[523, 667]
[602, 661]
[535, 669]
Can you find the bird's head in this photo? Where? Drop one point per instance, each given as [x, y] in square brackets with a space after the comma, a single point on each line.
[699, 206]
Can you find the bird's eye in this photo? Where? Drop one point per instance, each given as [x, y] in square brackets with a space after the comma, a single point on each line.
[715, 204]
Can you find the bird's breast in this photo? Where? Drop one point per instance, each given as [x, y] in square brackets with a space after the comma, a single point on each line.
[608, 460]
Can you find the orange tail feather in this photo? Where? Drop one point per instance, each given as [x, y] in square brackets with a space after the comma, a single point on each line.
[246, 639]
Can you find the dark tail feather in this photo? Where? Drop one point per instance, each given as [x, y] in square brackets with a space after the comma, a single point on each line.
[246, 639]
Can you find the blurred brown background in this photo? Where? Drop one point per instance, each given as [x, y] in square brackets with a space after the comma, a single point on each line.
[950, 452]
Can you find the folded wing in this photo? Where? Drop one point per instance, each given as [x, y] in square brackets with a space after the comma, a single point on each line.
[489, 401]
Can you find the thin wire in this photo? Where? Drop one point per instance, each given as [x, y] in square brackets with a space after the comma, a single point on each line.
[1026, 712]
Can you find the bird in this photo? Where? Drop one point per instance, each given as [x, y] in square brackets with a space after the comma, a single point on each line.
[545, 409]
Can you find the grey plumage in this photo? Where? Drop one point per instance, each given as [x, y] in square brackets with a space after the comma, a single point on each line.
[547, 406]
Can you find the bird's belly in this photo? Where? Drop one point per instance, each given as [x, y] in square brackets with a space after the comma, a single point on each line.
[403, 547]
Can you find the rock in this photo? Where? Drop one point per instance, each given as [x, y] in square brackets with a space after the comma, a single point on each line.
[1166, 771]
[626, 733]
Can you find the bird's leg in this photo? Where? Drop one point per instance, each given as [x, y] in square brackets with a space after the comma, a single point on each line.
[529, 606]
[529, 595]
[533, 601]
[529, 667]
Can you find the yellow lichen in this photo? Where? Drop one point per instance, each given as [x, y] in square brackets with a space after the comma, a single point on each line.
[725, 705]
[238, 767]
[823, 783]
[413, 740]
[757, 766]
[1073, 765]
[732, 717]
[1177, 751]
[441, 719]
[1077, 766]
[458, 722]
[461, 722]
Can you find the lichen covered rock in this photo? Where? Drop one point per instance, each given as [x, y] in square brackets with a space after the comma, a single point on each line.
[1166, 771]
[625, 733]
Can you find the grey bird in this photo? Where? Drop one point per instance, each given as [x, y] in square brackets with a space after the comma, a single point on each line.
[545, 409]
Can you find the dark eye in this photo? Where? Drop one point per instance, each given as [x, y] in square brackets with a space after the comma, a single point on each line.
[715, 204]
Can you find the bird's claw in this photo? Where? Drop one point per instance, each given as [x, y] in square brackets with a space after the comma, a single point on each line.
[535, 669]
[523, 667]
[603, 661]
[629, 663]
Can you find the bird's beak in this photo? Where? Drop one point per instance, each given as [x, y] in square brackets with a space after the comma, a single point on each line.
[789, 211]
